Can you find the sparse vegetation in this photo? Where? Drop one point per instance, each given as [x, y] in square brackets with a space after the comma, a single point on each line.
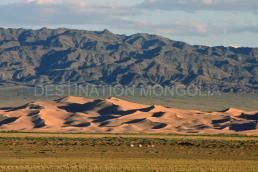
[114, 152]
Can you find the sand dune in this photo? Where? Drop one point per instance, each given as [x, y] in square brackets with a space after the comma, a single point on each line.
[76, 114]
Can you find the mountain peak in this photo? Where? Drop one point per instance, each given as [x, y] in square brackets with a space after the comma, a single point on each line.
[106, 31]
[57, 56]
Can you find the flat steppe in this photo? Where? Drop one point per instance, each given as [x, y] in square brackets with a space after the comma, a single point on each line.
[126, 152]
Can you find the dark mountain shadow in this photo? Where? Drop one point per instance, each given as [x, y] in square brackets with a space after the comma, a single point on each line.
[149, 54]
[127, 79]
[58, 56]
[25, 35]
[242, 50]
[179, 45]
[221, 63]
[112, 77]
[53, 59]
[113, 47]
[153, 42]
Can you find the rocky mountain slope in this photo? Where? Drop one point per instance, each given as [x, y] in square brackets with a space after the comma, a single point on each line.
[76, 114]
[59, 56]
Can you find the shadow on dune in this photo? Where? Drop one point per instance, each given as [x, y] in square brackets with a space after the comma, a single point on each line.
[36, 119]
[224, 110]
[135, 121]
[146, 109]
[201, 127]
[75, 107]
[154, 125]
[159, 126]
[10, 109]
[6, 108]
[220, 121]
[249, 117]
[158, 114]
[243, 126]
[104, 124]
[103, 118]
[30, 106]
[111, 109]
[106, 111]
[84, 124]
[114, 109]
[244, 122]
[7, 121]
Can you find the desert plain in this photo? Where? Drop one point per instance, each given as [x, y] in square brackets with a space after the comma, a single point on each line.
[111, 134]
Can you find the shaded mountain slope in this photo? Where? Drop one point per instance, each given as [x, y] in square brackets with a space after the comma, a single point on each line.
[55, 56]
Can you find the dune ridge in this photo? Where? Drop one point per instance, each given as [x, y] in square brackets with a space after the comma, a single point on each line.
[77, 114]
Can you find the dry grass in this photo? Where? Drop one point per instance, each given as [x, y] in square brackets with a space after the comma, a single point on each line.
[102, 135]
[105, 152]
[133, 165]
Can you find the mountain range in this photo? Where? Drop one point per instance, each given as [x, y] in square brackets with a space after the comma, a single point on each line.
[58, 56]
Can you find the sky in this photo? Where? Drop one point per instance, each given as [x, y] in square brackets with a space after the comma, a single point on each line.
[202, 22]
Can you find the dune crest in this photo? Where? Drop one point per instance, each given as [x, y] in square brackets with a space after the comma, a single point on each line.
[77, 114]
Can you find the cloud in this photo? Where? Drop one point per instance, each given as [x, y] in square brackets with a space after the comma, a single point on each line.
[42, 2]
[62, 12]
[196, 5]
[208, 2]
[80, 13]
[123, 18]
[200, 28]
[195, 28]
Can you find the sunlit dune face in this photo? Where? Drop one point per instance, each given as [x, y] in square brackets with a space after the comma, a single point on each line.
[119, 116]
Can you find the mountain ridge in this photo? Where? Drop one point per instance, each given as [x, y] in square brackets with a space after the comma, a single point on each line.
[58, 56]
